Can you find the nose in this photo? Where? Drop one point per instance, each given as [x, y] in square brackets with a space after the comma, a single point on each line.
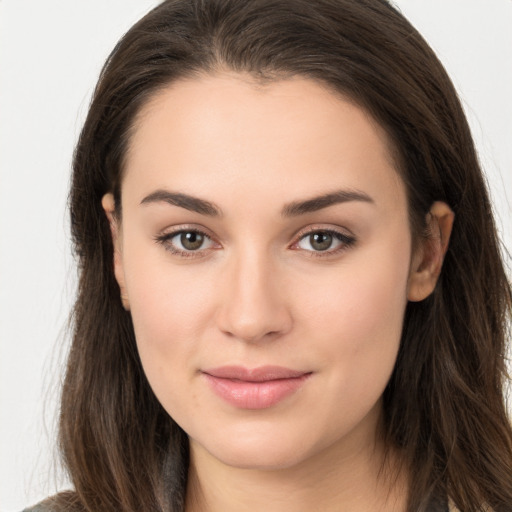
[253, 305]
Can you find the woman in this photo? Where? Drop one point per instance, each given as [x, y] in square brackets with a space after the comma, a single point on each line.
[291, 292]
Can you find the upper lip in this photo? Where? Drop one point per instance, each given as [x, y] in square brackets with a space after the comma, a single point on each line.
[259, 374]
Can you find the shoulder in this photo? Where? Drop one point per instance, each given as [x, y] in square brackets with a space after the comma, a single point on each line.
[66, 501]
[40, 507]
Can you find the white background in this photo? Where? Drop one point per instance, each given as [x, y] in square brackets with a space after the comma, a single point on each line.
[50, 55]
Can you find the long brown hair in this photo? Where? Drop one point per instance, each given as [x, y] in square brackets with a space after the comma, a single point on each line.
[444, 405]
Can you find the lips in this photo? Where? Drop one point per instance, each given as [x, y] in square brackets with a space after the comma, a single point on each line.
[257, 388]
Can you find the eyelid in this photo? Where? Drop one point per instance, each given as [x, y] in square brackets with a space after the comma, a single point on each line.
[329, 228]
[166, 235]
[345, 236]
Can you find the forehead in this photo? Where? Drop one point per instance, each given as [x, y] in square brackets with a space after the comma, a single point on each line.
[225, 133]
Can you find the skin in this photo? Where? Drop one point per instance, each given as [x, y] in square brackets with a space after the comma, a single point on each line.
[258, 292]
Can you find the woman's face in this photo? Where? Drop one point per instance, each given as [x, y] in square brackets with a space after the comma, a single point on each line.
[264, 253]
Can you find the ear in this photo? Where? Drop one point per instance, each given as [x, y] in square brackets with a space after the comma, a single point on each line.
[109, 205]
[428, 258]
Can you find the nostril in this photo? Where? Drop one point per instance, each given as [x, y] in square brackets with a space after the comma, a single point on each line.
[251, 306]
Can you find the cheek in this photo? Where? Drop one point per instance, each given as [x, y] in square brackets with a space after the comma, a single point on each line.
[168, 304]
[353, 325]
[357, 315]
[167, 310]
[368, 286]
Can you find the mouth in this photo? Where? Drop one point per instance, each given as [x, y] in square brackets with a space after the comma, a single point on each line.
[257, 388]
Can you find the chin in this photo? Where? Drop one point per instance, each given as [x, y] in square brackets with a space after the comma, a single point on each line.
[262, 459]
[261, 449]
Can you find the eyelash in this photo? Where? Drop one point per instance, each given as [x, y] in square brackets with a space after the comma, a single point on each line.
[346, 241]
[165, 238]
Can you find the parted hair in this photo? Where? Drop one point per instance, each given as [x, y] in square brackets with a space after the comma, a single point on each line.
[444, 406]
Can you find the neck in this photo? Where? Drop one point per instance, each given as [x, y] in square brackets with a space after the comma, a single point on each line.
[365, 477]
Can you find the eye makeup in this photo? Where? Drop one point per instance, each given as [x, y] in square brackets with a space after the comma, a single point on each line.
[318, 242]
[192, 241]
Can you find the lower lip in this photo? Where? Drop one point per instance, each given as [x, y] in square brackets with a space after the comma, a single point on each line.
[254, 395]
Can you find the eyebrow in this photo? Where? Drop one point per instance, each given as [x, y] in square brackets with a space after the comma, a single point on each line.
[194, 204]
[323, 201]
[292, 209]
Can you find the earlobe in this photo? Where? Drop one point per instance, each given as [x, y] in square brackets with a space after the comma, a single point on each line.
[108, 204]
[429, 256]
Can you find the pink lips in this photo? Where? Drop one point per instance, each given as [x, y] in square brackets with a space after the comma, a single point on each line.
[256, 388]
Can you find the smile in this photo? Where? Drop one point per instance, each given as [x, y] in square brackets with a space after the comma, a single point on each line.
[258, 388]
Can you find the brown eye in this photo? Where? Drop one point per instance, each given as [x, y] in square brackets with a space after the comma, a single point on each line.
[321, 240]
[191, 240]
[325, 241]
[186, 243]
